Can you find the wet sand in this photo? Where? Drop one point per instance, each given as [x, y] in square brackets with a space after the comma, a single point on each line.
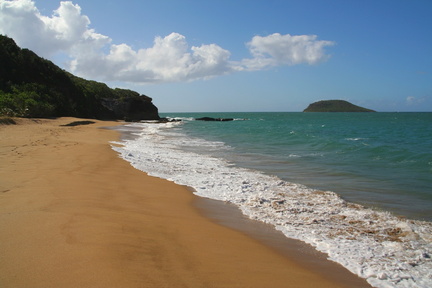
[73, 214]
[303, 254]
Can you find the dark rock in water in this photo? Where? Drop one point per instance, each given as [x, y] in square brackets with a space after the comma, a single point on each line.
[214, 119]
[167, 120]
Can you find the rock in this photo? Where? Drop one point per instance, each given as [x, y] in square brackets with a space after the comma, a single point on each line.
[78, 123]
[214, 119]
[134, 108]
[168, 120]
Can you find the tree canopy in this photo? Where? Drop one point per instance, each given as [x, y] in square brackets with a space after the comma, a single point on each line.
[31, 86]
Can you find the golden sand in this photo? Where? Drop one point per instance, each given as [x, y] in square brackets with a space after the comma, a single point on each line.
[73, 214]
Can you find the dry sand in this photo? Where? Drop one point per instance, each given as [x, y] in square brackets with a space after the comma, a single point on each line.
[73, 214]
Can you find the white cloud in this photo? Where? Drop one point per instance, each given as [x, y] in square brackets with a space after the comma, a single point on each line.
[412, 100]
[277, 49]
[66, 30]
[170, 59]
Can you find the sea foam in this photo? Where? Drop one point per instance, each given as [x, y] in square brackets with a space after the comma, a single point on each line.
[386, 250]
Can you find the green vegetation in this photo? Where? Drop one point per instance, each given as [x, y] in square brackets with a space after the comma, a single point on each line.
[335, 106]
[31, 86]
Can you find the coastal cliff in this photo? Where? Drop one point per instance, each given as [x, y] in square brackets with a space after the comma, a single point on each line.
[31, 86]
[335, 106]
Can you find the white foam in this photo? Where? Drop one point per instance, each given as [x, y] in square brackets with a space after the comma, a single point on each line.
[386, 250]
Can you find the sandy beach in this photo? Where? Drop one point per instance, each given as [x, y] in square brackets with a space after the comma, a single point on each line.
[73, 214]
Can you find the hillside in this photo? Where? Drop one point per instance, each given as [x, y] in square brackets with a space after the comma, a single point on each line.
[335, 106]
[31, 86]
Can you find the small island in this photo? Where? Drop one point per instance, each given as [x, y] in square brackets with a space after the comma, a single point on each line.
[335, 106]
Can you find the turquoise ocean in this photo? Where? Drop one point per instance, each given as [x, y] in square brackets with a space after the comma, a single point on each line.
[357, 186]
[381, 160]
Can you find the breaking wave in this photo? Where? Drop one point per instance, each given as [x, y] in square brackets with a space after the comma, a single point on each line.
[386, 250]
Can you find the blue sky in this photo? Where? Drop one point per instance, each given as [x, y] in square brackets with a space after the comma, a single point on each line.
[215, 56]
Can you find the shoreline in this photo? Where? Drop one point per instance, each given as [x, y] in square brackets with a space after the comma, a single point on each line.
[74, 214]
[303, 254]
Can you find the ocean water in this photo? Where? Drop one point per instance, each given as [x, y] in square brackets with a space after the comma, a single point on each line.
[357, 186]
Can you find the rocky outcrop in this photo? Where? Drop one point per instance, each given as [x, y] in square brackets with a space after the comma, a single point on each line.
[335, 106]
[214, 119]
[133, 108]
[31, 86]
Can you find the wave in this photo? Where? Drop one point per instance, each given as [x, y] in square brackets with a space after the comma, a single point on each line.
[386, 250]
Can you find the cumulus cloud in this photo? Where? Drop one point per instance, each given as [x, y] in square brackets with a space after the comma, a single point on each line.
[170, 59]
[66, 30]
[277, 49]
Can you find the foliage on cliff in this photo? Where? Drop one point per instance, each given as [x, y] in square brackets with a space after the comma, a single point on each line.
[335, 106]
[31, 86]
